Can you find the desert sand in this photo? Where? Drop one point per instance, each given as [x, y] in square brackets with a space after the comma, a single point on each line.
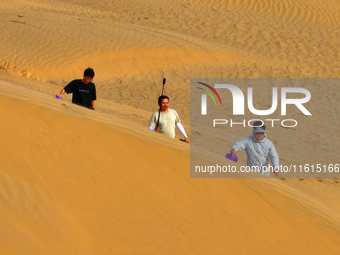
[76, 181]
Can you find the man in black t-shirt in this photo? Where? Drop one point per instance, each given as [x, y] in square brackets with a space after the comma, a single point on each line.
[84, 91]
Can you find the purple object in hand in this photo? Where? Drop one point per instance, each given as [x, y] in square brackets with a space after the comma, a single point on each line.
[57, 97]
[233, 158]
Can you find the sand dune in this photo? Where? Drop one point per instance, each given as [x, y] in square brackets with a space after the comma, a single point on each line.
[85, 189]
[184, 32]
[137, 44]
[74, 181]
